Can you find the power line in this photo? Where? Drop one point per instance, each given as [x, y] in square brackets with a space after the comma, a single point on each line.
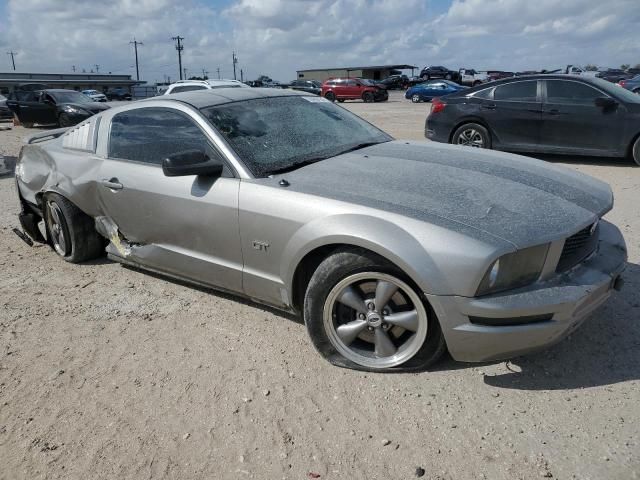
[135, 47]
[179, 48]
[13, 61]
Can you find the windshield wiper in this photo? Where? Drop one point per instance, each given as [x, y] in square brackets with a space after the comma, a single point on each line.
[359, 146]
[295, 166]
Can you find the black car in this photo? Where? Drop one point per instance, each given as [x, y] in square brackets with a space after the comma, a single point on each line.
[428, 73]
[395, 82]
[562, 114]
[614, 75]
[309, 86]
[118, 93]
[52, 106]
[5, 112]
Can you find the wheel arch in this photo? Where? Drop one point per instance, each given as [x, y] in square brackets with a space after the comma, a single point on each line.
[634, 139]
[316, 241]
[477, 120]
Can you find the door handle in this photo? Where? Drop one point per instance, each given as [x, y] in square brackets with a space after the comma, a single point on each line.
[112, 183]
[491, 106]
[553, 111]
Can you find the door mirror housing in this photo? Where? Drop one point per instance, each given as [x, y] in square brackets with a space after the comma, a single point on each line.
[605, 103]
[191, 162]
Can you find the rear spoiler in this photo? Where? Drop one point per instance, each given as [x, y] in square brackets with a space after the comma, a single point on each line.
[42, 136]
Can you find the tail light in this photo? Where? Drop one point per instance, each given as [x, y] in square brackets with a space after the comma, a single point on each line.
[437, 105]
[622, 83]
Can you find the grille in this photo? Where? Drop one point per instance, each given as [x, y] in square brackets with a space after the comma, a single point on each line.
[578, 247]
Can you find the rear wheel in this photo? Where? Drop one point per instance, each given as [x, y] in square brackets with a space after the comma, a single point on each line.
[472, 135]
[415, 98]
[367, 97]
[341, 100]
[70, 231]
[362, 312]
[636, 151]
[330, 96]
[27, 124]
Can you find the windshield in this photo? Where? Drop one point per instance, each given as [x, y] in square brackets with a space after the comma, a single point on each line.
[70, 97]
[615, 91]
[278, 133]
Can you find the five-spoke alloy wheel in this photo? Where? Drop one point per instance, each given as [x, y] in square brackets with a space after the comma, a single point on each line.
[363, 312]
[375, 320]
[472, 135]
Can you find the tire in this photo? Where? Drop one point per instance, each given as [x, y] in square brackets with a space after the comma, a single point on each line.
[635, 151]
[472, 135]
[330, 96]
[71, 232]
[476, 83]
[341, 100]
[367, 97]
[27, 124]
[64, 120]
[324, 315]
[415, 98]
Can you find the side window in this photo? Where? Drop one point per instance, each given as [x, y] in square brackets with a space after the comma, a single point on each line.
[485, 94]
[148, 135]
[187, 88]
[517, 91]
[574, 93]
[352, 83]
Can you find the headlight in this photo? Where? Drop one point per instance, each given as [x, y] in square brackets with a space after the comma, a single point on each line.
[71, 109]
[514, 270]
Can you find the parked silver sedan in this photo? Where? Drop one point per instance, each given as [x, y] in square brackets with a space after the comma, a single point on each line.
[392, 251]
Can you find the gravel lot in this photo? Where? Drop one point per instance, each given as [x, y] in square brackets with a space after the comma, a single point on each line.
[108, 372]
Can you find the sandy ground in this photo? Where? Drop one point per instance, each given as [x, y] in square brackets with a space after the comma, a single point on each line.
[107, 372]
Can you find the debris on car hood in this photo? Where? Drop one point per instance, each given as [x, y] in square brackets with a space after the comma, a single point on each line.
[515, 198]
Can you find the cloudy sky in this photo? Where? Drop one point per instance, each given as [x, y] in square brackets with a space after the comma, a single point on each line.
[277, 37]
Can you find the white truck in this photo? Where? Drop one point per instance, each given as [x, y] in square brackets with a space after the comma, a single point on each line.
[468, 76]
[575, 70]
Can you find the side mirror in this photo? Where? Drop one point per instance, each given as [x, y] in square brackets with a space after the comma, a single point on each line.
[605, 103]
[191, 162]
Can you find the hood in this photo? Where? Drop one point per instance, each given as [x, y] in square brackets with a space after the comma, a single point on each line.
[517, 199]
[90, 107]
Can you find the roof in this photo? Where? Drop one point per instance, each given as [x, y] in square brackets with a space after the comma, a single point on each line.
[368, 67]
[208, 98]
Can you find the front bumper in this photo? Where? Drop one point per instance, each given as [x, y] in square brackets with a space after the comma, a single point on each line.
[568, 299]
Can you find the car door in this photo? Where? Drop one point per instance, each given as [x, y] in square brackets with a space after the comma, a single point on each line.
[353, 88]
[24, 105]
[514, 114]
[46, 110]
[188, 224]
[572, 121]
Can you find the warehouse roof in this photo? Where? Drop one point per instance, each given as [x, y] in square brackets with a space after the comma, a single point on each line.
[368, 67]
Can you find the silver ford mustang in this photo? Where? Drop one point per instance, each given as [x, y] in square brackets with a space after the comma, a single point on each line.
[392, 251]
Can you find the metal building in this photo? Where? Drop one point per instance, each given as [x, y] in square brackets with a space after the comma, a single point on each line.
[72, 81]
[375, 72]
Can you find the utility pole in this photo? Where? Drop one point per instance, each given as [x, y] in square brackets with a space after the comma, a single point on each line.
[204, 74]
[73, 68]
[241, 76]
[185, 72]
[235, 61]
[135, 47]
[97, 67]
[179, 48]
[13, 62]
[218, 70]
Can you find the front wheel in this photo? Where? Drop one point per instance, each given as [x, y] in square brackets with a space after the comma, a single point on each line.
[415, 98]
[330, 96]
[70, 231]
[362, 312]
[367, 97]
[636, 151]
[472, 135]
[64, 120]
